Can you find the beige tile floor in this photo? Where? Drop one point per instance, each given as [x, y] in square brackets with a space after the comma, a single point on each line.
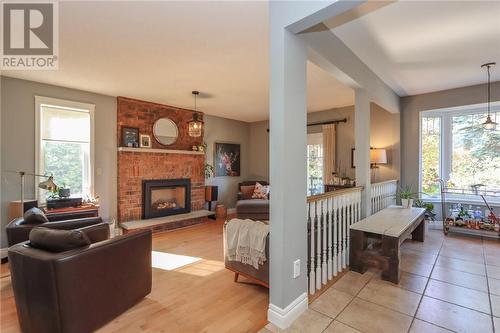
[448, 284]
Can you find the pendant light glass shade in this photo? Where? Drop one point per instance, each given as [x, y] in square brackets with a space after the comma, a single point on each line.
[196, 124]
[489, 124]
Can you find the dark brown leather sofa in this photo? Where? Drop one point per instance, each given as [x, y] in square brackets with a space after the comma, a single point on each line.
[80, 290]
[248, 208]
[18, 231]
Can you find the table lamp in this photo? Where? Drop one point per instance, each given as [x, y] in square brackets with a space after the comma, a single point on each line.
[377, 156]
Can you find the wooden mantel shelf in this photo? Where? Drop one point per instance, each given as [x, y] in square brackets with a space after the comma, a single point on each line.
[161, 151]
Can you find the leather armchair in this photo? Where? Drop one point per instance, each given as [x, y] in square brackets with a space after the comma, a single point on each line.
[18, 232]
[80, 290]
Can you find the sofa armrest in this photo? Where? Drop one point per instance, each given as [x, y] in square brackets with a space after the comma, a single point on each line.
[85, 286]
[96, 232]
[71, 224]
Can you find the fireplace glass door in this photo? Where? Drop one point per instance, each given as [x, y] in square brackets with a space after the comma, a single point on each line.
[166, 197]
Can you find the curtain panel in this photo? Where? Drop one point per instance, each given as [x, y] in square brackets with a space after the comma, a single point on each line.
[328, 152]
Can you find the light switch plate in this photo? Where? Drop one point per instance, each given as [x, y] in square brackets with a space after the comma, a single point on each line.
[296, 268]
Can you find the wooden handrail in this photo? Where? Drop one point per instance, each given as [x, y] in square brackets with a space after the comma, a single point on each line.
[386, 181]
[335, 193]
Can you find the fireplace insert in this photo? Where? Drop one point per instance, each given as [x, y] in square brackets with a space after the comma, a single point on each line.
[164, 197]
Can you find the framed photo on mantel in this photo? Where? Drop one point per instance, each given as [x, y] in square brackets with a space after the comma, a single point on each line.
[130, 137]
[227, 159]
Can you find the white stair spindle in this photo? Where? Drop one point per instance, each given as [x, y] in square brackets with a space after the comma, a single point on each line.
[312, 278]
[330, 241]
[324, 213]
[317, 221]
[335, 236]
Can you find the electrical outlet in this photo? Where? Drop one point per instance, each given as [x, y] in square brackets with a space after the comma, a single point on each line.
[296, 268]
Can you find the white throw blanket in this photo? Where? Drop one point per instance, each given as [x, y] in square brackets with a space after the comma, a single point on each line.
[245, 241]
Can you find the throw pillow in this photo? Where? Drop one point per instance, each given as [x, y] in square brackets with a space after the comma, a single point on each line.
[247, 191]
[261, 191]
[34, 216]
[57, 240]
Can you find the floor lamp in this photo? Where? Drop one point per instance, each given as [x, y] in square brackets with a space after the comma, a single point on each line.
[48, 184]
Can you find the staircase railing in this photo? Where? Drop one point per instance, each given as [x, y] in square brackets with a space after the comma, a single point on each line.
[383, 194]
[329, 217]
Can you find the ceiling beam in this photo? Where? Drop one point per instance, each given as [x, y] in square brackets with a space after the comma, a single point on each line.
[330, 53]
[337, 8]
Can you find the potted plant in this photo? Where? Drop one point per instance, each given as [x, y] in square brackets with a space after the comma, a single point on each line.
[407, 196]
[64, 191]
[209, 170]
[430, 215]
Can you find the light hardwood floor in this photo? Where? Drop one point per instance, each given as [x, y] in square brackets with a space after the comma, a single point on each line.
[199, 297]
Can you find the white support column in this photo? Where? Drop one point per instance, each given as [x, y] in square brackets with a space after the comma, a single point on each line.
[288, 148]
[362, 144]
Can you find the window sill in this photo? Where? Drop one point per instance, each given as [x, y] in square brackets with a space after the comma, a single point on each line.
[464, 200]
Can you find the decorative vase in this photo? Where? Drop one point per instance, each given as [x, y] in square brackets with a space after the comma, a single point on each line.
[407, 203]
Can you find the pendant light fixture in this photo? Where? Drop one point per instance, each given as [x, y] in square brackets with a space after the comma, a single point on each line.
[489, 124]
[195, 124]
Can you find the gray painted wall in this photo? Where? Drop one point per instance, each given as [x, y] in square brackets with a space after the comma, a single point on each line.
[411, 107]
[229, 131]
[384, 133]
[259, 150]
[18, 149]
[18, 140]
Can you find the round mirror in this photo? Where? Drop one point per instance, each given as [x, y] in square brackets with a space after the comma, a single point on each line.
[165, 131]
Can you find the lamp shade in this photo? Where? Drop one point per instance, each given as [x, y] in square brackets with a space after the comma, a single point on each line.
[195, 126]
[378, 156]
[48, 185]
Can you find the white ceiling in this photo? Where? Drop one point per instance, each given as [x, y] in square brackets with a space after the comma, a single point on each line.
[161, 51]
[424, 46]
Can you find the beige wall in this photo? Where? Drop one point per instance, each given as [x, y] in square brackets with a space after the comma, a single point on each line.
[385, 133]
[411, 107]
[18, 140]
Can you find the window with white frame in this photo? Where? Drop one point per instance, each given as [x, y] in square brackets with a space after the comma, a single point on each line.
[64, 144]
[455, 147]
[314, 163]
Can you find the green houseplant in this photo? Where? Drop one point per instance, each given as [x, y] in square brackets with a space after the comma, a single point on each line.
[407, 196]
[429, 209]
[209, 171]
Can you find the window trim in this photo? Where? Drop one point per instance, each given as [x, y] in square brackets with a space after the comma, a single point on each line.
[446, 137]
[62, 104]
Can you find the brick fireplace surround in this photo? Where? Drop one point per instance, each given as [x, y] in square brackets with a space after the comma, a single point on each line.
[134, 167]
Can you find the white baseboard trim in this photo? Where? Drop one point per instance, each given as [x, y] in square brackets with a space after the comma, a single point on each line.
[283, 318]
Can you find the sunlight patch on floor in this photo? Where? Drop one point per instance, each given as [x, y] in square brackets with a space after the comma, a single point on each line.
[169, 261]
[205, 268]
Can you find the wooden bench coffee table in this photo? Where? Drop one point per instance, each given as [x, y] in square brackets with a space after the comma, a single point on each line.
[376, 239]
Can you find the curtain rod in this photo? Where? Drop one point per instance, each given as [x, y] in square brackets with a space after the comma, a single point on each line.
[329, 122]
[325, 123]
